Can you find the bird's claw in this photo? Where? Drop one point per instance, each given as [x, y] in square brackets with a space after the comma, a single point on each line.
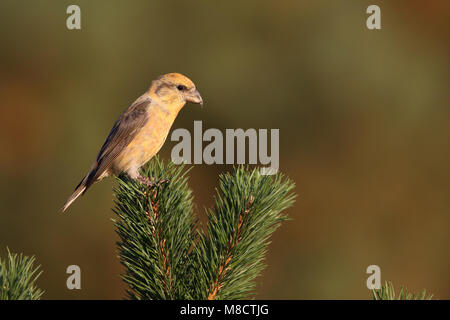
[163, 181]
[146, 181]
[150, 183]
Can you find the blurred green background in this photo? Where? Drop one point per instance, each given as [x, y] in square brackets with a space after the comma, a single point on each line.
[363, 118]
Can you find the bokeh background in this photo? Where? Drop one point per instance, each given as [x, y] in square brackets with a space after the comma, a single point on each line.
[364, 123]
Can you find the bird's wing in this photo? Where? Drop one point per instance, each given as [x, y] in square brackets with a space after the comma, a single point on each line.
[124, 130]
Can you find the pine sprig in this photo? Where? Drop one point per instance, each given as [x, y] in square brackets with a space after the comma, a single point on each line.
[165, 253]
[18, 277]
[248, 209]
[387, 292]
[156, 231]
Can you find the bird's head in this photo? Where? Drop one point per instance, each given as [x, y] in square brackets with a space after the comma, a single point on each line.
[175, 89]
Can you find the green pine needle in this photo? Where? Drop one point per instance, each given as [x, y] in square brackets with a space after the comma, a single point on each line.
[156, 231]
[18, 278]
[387, 292]
[248, 209]
[167, 255]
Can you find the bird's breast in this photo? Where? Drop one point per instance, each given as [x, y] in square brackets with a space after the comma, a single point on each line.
[147, 142]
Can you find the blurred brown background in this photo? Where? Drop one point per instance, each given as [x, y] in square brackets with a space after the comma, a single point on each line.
[363, 118]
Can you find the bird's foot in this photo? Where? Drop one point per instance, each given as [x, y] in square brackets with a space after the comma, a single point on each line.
[146, 181]
[163, 181]
[151, 183]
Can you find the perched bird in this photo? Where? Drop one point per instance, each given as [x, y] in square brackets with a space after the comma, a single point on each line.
[140, 131]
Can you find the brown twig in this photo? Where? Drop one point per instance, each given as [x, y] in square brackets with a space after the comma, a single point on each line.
[154, 204]
[233, 242]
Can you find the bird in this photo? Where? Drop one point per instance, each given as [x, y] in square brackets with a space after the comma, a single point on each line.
[140, 131]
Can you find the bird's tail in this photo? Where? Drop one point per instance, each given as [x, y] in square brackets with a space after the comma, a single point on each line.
[79, 190]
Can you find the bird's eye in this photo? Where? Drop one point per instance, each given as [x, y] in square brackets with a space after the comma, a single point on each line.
[181, 87]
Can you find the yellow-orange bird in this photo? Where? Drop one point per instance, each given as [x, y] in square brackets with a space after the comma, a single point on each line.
[140, 131]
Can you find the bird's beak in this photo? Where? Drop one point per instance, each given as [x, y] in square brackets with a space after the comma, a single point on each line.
[195, 97]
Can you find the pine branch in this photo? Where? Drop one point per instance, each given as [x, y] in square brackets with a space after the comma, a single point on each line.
[165, 253]
[18, 278]
[156, 231]
[387, 292]
[247, 211]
